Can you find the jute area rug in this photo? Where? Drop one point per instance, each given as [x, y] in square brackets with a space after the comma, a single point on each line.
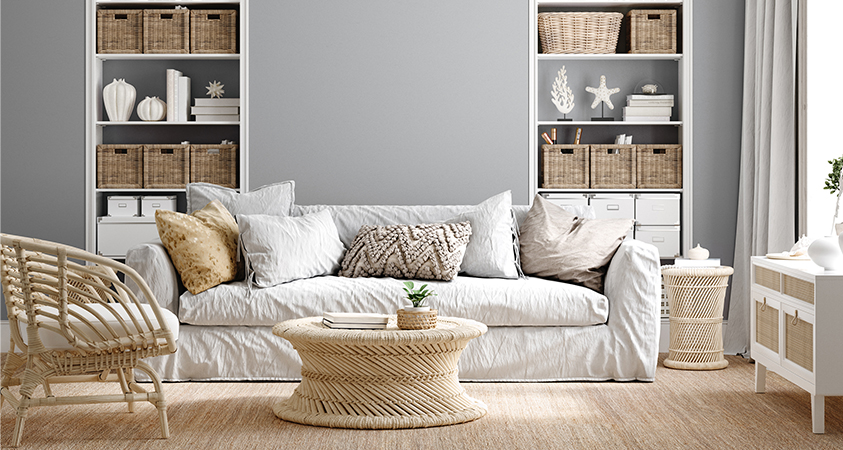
[681, 409]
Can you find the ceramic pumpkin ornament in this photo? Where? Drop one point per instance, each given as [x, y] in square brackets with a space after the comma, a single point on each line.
[152, 109]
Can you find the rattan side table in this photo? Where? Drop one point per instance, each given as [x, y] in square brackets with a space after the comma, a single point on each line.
[379, 379]
[696, 297]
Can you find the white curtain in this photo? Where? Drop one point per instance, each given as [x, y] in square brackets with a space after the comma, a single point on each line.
[767, 197]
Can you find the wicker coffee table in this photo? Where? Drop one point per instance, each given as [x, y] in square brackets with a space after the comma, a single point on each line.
[379, 379]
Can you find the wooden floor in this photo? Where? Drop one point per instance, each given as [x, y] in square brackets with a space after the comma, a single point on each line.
[681, 409]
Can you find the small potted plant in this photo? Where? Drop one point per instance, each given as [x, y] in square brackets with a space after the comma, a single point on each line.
[419, 316]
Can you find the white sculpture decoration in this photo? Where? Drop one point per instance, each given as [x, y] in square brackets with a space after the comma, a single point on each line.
[602, 93]
[562, 95]
[215, 89]
[119, 100]
[152, 109]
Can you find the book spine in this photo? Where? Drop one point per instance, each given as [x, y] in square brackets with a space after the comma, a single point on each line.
[171, 115]
[184, 99]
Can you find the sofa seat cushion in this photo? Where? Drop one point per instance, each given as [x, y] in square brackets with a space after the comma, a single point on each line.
[495, 302]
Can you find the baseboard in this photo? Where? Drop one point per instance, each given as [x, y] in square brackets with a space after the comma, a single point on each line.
[4, 336]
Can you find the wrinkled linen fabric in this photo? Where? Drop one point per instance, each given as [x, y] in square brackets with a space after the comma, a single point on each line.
[493, 301]
[274, 199]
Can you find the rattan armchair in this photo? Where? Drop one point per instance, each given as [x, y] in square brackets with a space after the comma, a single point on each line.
[73, 319]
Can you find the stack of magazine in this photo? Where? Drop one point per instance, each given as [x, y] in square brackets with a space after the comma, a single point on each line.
[355, 321]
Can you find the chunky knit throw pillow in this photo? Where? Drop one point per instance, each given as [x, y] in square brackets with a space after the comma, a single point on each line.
[427, 251]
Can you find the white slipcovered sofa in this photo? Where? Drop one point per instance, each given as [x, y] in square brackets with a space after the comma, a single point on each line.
[539, 330]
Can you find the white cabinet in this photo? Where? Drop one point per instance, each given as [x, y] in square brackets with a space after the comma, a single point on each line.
[567, 199]
[666, 239]
[146, 71]
[795, 328]
[613, 206]
[657, 209]
[116, 235]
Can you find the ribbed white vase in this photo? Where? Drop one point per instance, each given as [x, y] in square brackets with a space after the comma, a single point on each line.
[152, 109]
[119, 100]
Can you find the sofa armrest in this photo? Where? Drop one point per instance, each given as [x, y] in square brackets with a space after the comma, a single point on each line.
[152, 262]
[633, 286]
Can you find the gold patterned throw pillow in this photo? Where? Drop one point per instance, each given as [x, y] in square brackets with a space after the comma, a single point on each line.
[202, 245]
[427, 251]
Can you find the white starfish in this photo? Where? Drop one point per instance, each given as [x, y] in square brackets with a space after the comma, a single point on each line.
[215, 89]
[602, 93]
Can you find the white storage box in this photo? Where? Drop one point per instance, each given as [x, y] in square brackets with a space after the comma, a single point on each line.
[122, 206]
[150, 203]
[116, 235]
[613, 206]
[657, 209]
[567, 199]
[666, 239]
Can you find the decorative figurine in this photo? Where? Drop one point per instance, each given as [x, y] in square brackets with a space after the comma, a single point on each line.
[563, 96]
[602, 95]
[215, 89]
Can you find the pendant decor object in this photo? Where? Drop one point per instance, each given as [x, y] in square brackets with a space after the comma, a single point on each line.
[215, 89]
[119, 100]
[152, 109]
[826, 253]
[698, 253]
[561, 95]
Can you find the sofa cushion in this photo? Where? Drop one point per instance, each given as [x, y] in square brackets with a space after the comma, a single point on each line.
[281, 249]
[425, 251]
[490, 252]
[493, 301]
[274, 199]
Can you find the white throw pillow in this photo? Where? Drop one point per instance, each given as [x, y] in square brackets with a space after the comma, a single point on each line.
[282, 249]
[273, 199]
[490, 252]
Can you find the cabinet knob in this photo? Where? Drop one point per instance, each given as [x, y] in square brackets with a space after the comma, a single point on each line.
[795, 318]
[764, 305]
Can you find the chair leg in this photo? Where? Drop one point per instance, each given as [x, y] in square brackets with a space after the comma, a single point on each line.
[158, 399]
[124, 386]
[22, 411]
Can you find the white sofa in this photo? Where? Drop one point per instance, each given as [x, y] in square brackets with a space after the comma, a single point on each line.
[539, 330]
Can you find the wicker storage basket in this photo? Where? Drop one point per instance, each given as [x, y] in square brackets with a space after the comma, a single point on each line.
[120, 166]
[214, 163]
[652, 31]
[213, 31]
[696, 316]
[659, 166]
[166, 166]
[613, 166]
[579, 32]
[417, 320]
[565, 166]
[119, 31]
[166, 31]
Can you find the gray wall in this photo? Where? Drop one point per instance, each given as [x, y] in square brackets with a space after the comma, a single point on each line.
[372, 101]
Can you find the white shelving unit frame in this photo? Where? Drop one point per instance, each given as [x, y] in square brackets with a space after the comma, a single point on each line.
[683, 104]
[94, 123]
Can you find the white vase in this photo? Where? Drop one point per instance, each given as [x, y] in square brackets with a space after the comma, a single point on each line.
[416, 308]
[152, 109]
[840, 242]
[698, 253]
[119, 100]
[826, 253]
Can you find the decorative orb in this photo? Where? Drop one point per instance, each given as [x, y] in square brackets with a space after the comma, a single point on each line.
[826, 253]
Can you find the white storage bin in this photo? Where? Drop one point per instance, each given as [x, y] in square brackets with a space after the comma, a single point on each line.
[665, 238]
[122, 206]
[613, 206]
[150, 203]
[657, 209]
[567, 199]
[116, 235]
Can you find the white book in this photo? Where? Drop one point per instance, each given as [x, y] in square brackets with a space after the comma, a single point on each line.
[646, 118]
[354, 326]
[686, 262]
[172, 90]
[217, 117]
[215, 110]
[649, 97]
[340, 317]
[620, 139]
[627, 139]
[647, 110]
[217, 102]
[183, 104]
[634, 102]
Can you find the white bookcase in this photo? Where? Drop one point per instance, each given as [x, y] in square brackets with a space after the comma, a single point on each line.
[623, 70]
[147, 73]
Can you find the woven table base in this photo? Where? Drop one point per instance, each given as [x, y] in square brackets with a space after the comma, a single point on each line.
[379, 379]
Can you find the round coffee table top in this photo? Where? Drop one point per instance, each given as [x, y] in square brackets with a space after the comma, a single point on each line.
[312, 329]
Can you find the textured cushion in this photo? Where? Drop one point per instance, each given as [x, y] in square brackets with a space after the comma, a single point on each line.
[202, 245]
[490, 252]
[273, 199]
[427, 251]
[557, 244]
[283, 249]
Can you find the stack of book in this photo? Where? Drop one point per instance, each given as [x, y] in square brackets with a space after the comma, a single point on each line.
[216, 109]
[687, 262]
[355, 321]
[178, 96]
[648, 108]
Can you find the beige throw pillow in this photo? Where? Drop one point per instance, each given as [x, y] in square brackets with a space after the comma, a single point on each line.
[557, 244]
[202, 245]
[427, 251]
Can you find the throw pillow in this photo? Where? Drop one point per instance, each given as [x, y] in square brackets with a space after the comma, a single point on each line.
[490, 252]
[282, 249]
[273, 199]
[557, 244]
[427, 251]
[202, 245]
